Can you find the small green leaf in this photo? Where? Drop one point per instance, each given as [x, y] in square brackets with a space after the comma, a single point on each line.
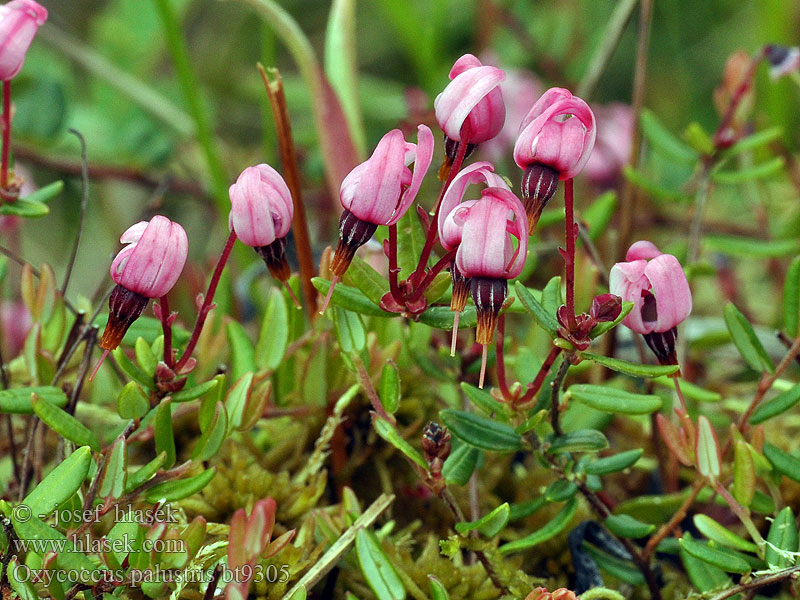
[782, 537]
[26, 207]
[746, 340]
[131, 370]
[60, 484]
[64, 423]
[616, 567]
[461, 463]
[613, 400]
[698, 138]
[523, 510]
[170, 491]
[760, 171]
[744, 474]
[783, 462]
[583, 440]
[349, 330]
[664, 141]
[552, 297]
[480, 432]
[717, 558]
[145, 357]
[195, 392]
[274, 335]
[236, 401]
[162, 432]
[18, 400]
[390, 387]
[627, 527]
[361, 275]
[549, 531]
[377, 569]
[707, 454]
[410, 241]
[438, 591]
[777, 405]
[389, 433]
[560, 491]
[132, 402]
[755, 140]
[703, 576]
[115, 471]
[614, 464]
[243, 353]
[751, 248]
[721, 534]
[490, 524]
[213, 435]
[145, 473]
[623, 366]
[350, 298]
[20, 584]
[484, 401]
[543, 318]
[791, 298]
[441, 317]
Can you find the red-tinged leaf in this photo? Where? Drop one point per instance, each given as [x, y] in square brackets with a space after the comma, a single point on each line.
[279, 544]
[259, 528]
[707, 449]
[674, 441]
[236, 536]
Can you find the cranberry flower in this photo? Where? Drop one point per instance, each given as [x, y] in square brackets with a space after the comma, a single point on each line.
[555, 141]
[657, 286]
[261, 215]
[487, 256]
[451, 226]
[379, 191]
[148, 267]
[19, 21]
[471, 108]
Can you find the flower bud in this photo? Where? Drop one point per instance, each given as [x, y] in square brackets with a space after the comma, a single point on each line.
[19, 21]
[261, 215]
[606, 307]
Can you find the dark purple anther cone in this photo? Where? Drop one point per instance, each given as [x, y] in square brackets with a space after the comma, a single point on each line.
[461, 287]
[488, 294]
[353, 233]
[539, 185]
[274, 255]
[124, 307]
[451, 149]
[663, 345]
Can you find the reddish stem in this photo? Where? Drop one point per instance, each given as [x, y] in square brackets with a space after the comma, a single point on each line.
[721, 134]
[569, 259]
[6, 134]
[169, 359]
[536, 384]
[394, 270]
[433, 230]
[501, 365]
[207, 302]
[435, 270]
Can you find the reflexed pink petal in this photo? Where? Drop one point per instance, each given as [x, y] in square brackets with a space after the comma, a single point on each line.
[642, 250]
[422, 160]
[473, 93]
[671, 289]
[19, 21]
[627, 281]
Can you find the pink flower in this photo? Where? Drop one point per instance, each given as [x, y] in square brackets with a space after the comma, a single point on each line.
[657, 286]
[148, 267]
[559, 131]
[380, 190]
[472, 104]
[19, 21]
[479, 172]
[153, 259]
[261, 206]
[486, 248]
[613, 145]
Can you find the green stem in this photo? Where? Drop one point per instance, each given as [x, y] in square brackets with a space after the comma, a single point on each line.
[176, 44]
